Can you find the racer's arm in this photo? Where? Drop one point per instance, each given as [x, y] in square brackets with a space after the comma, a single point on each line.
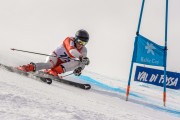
[70, 48]
[74, 53]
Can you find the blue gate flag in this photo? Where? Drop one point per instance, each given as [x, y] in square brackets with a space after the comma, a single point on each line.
[156, 77]
[148, 52]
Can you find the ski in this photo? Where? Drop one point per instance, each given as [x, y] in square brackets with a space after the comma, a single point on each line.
[46, 80]
[43, 77]
[26, 74]
[76, 84]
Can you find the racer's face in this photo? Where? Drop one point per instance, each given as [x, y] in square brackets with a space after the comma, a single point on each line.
[78, 46]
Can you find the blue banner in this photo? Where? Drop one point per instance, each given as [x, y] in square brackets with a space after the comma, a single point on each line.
[148, 52]
[156, 77]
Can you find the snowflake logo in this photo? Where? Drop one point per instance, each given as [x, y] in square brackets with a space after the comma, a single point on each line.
[150, 48]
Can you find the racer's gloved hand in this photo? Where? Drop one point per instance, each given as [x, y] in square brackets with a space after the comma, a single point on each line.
[77, 71]
[84, 60]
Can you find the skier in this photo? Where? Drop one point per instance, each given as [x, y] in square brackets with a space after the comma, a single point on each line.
[71, 55]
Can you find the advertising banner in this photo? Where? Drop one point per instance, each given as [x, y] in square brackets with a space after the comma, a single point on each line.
[156, 77]
[148, 52]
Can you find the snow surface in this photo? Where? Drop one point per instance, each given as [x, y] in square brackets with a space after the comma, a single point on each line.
[23, 98]
[40, 25]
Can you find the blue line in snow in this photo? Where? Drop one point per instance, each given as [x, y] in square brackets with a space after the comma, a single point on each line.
[164, 109]
[104, 86]
[107, 87]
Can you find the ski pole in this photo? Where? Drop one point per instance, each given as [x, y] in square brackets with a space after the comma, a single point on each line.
[31, 52]
[39, 53]
[66, 75]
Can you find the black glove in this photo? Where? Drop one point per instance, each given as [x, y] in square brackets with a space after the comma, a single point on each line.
[84, 60]
[77, 71]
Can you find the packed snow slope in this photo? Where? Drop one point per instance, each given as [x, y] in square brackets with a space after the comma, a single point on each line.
[23, 98]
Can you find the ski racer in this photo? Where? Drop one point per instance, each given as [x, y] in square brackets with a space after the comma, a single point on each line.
[71, 55]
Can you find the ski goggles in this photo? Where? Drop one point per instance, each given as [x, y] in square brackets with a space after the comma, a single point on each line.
[81, 42]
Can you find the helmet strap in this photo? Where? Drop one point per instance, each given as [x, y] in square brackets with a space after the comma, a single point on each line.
[75, 40]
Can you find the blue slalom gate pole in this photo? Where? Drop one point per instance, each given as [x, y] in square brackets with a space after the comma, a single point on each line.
[137, 33]
[165, 55]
